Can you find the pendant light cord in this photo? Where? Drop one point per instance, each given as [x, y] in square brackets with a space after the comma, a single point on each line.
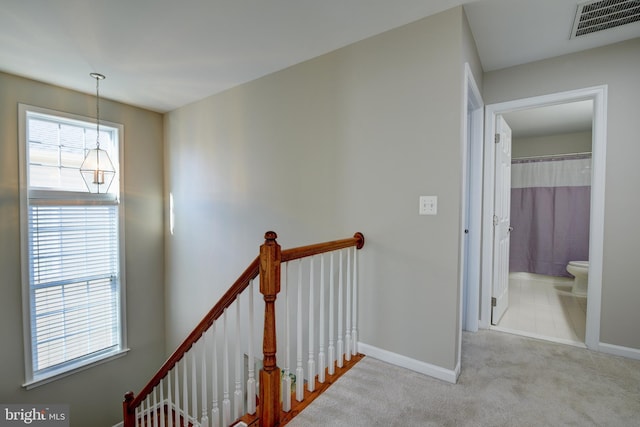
[98, 77]
[98, 112]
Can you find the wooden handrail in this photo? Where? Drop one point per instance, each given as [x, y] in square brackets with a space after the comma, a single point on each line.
[227, 299]
[304, 251]
[267, 264]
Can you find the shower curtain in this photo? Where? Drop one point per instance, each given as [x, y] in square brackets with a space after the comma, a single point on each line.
[550, 209]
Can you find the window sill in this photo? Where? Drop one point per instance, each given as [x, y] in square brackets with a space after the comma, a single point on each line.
[36, 382]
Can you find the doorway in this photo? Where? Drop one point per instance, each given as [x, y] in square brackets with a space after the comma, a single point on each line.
[596, 224]
[471, 207]
[471, 220]
[548, 227]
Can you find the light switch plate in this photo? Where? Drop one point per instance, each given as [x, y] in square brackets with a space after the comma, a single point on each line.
[428, 205]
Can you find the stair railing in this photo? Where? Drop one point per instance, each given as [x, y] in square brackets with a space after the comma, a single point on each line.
[172, 397]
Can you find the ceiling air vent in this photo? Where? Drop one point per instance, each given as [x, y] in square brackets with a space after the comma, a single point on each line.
[600, 15]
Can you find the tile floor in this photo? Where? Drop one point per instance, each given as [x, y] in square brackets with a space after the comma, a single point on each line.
[543, 306]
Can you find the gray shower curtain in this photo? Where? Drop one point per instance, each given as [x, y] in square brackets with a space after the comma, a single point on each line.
[550, 212]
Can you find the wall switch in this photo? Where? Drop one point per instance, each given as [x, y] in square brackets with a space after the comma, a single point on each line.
[428, 205]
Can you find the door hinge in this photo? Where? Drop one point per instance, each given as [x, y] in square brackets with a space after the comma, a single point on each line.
[493, 301]
[495, 220]
[497, 138]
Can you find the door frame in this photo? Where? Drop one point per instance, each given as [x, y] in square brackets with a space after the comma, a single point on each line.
[470, 211]
[471, 218]
[598, 94]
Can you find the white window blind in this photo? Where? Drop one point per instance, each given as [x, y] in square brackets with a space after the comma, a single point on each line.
[74, 291]
[73, 249]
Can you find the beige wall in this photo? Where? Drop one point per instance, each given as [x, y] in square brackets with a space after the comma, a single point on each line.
[616, 66]
[95, 395]
[342, 143]
[403, 140]
[470, 53]
[574, 142]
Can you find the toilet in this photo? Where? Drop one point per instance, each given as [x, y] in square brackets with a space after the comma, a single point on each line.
[580, 272]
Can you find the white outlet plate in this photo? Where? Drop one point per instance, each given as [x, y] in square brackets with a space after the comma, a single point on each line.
[428, 205]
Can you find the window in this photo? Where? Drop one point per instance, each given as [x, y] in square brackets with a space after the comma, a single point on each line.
[71, 247]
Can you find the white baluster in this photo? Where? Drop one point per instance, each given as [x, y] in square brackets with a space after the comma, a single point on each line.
[141, 416]
[215, 411]
[340, 291]
[354, 331]
[162, 404]
[154, 408]
[226, 403]
[204, 419]
[144, 408]
[194, 384]
[147, 410]
[185, 390]
[169, 401]
[311, 368]
[299, 369]
[137, 415]
[176, 405]
[237, 395]
[347, 337]
[331, 349]
[251, 381]
[286, 380]
[321, 355]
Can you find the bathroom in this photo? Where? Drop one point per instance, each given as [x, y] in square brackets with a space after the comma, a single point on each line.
[550, 218]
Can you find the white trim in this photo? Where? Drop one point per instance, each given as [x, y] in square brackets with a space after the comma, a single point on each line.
[24, 240]
[471, 212]
[23, 110]
[396, 359]
[596, 230]
[470, 295]
[599, 96]
[89, 364]
[538, 336]
[72, 197]
[193, 420]
[617, 350]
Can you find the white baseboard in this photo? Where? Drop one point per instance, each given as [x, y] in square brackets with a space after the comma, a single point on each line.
[631, 353]
[438, 372]
[192, 421]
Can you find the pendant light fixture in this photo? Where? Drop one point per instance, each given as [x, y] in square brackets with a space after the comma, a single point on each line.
[97, 169]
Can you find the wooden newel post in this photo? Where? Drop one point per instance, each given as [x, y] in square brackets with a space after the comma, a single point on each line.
[270, 374]
[128, 416]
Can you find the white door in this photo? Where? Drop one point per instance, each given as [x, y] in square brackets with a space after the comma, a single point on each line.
[501, 221]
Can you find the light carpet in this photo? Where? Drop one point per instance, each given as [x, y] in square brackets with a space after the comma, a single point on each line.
[505, 380]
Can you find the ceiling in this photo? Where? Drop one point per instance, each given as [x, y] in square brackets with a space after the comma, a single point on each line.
[551, 119]
[163, 54]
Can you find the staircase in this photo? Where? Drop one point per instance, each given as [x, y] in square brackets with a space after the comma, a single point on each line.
[210, 380]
